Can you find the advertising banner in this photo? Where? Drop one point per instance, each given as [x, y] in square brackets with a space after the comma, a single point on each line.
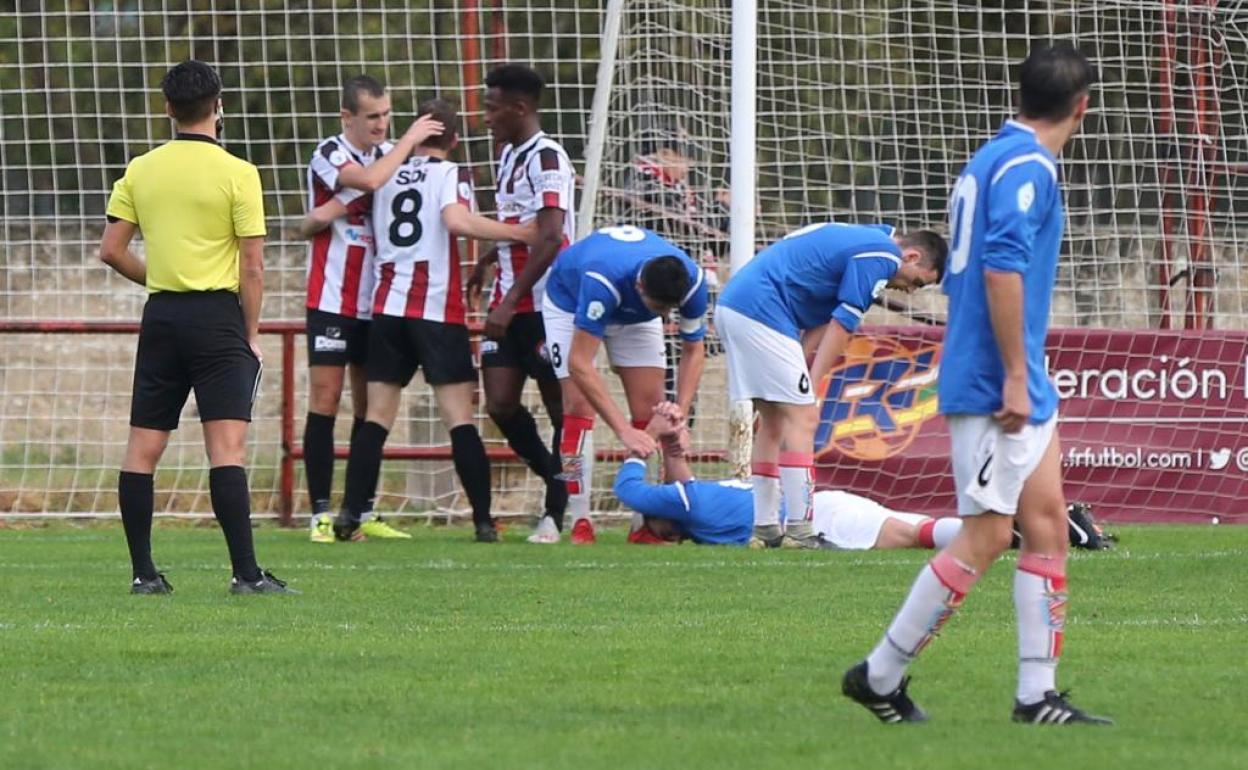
[1153, 425]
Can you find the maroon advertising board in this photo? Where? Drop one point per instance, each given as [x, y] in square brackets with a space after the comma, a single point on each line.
[1153, 425]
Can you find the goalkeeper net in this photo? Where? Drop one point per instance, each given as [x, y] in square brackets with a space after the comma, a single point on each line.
[866, 112]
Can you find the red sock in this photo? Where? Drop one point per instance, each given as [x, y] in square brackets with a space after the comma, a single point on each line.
[926, 538]
[571, 449]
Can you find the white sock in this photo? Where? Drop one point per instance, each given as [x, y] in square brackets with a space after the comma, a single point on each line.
[1040, 604]
[578, 504]
[798, 487]
[936, 593]
[945, 529]
[766, 500]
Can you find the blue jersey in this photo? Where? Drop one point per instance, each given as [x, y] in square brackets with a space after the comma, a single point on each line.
[707, 512]
[596, 279]
[1005, 215]
[818, 274]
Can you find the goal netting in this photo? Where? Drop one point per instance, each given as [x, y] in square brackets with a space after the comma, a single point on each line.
[866, 111]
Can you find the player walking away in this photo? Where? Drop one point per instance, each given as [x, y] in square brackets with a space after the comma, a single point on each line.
[812, 287]
[348, 167]
[418, 316]
[1007, 221]
[616, 287]
[201, 212]
[534, 184]
[722, 512]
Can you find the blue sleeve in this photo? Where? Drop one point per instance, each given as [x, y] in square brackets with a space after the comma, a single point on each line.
[693, 311]
[595, 304]
[662, 501]
[863, 280]
[1018, 198]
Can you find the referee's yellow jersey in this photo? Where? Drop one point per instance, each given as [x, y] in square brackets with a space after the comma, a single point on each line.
[192, 200]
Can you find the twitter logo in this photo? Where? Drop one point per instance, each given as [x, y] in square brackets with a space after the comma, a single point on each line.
[1218, 459]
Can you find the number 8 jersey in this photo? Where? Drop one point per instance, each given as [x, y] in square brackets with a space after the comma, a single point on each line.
[417, 264]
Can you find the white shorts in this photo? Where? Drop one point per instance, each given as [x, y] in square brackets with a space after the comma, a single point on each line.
[627, 344]
[852, 522]
[991, 466]
[762, 362]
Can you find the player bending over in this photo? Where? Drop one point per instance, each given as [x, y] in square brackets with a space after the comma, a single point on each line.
[1007, 220]
[816, 282]
[346, 167]
[721, 512]
[418, 317]
[615, 287]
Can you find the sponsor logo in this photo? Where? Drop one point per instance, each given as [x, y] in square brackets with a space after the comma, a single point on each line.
[552, 181]
[325, 344]
[1241, 460]
[874, 404]
[1057, 609]
[489, 346]
[358, 235]
[595, 310]
[879, 289]
[338, 158]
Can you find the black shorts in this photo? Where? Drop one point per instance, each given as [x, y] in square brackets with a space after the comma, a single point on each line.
[336, 340]
[397, 347]
[523, 348]
[193, 340]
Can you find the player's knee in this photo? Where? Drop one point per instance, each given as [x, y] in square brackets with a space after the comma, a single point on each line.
[502, 412]
[323, 398]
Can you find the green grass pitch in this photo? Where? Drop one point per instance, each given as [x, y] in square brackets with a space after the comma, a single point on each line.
[441, 653]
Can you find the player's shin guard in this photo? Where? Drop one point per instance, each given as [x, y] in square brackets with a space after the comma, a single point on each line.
[318, 458]
[231, 504]
[1040, 602]
[798, 488]
[936, 594]
[472, 465]
[577, 451]
[363, 469]
[135, 498]
[765, 479]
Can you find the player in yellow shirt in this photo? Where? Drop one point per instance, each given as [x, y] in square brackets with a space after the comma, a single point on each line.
[201, 213]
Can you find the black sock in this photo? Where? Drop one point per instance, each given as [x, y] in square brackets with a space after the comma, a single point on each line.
[231, 503]
[363, 468]
[135, 498]
[356, 422]
[318, 458]
[556, 489]
[521, 431]
[473, 466]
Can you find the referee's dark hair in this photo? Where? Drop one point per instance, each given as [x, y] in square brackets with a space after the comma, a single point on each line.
[517, 81]
[934, 248]
[352, 88]
[192, 89]
[665, 280]
[444, 112]
[1051, 81]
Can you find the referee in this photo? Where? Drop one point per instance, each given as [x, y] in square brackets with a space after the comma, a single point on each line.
[202, 217]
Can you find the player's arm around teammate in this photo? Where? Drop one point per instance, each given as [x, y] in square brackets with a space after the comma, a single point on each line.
[201, 213]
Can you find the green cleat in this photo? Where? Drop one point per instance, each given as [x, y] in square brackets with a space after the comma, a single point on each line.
[322, 530]
[379, 529]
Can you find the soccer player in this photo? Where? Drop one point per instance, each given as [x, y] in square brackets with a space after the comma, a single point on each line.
[418, 316]
[722, 512]
[814, 286]
[1006, 224]
[201, 212]
[348, 167]
[534, 183]
[615, 287]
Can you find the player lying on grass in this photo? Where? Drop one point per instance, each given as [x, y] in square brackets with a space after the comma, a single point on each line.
[615, 288]
[419, 316]
[820, 280]
[721, 512]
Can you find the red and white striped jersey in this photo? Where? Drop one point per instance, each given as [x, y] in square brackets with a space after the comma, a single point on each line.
[340, 258]
[417, 263]
[531, 177]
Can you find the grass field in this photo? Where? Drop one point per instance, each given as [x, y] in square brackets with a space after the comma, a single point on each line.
[441, 653]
